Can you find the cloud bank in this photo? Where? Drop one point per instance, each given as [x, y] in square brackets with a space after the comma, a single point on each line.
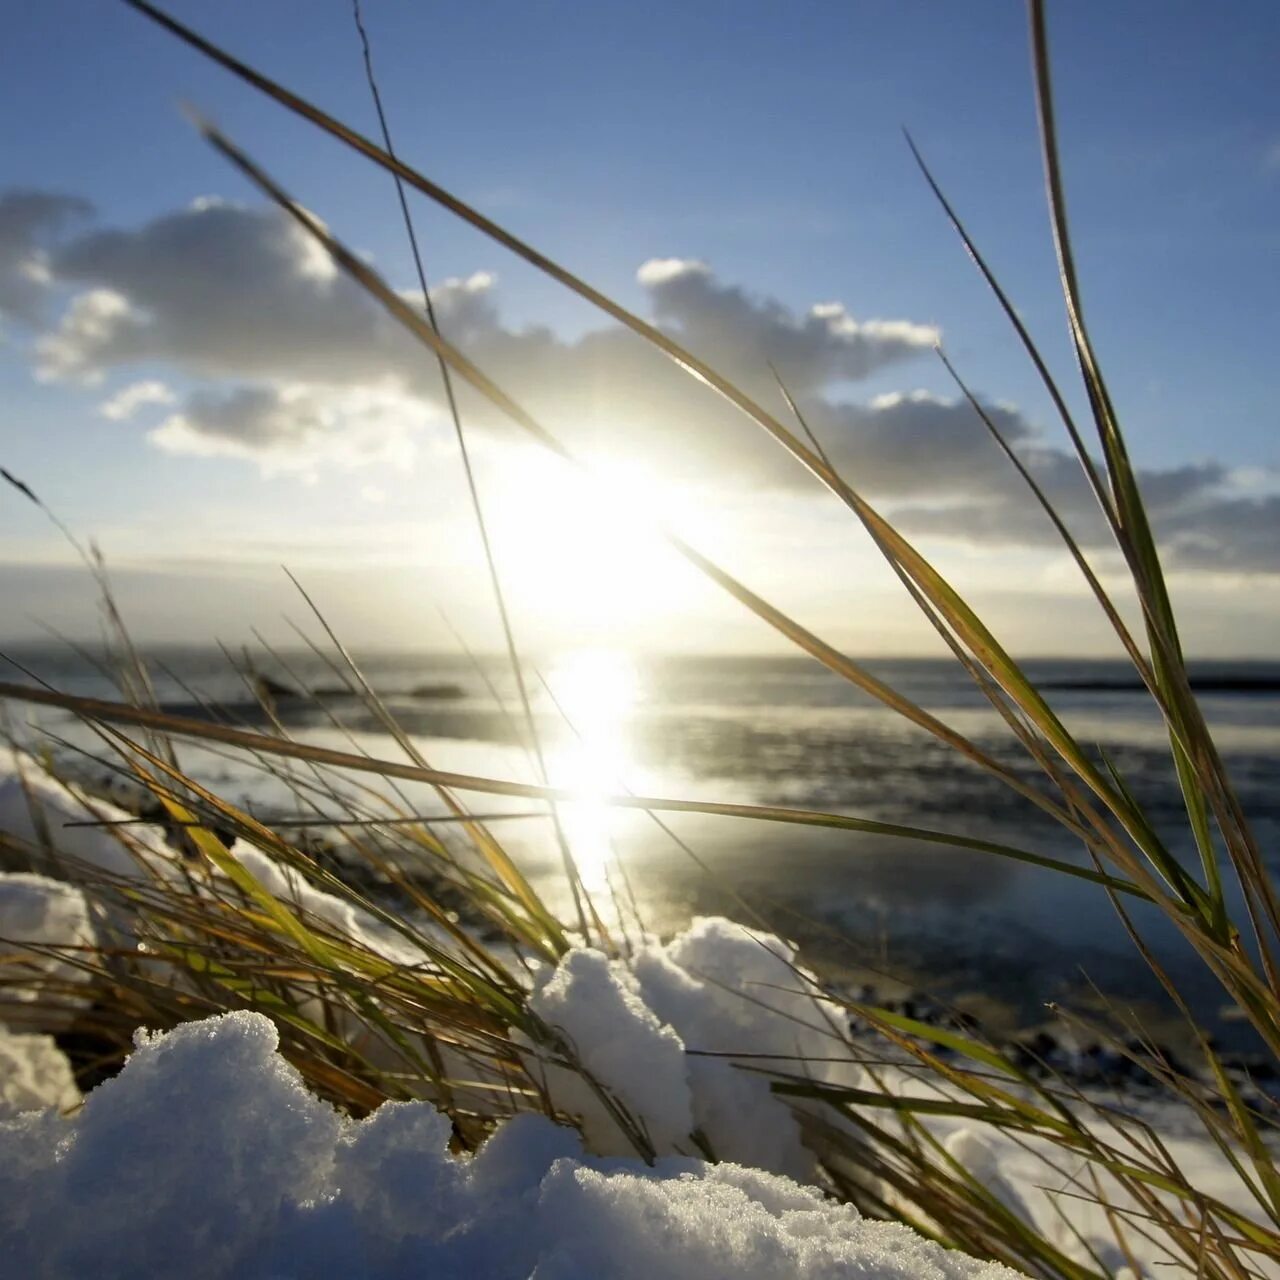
[28, 220]
[296, 371]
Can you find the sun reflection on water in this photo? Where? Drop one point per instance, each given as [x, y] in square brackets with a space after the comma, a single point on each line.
[596, 690]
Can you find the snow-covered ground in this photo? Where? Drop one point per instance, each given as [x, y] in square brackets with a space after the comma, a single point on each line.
[206, 1156]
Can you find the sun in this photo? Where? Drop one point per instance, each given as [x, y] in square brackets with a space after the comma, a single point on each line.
[584, 552]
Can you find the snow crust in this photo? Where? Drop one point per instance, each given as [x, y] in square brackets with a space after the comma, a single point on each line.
[207, 1157]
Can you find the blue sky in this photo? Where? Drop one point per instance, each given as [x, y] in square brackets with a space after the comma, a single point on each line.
[760, 139]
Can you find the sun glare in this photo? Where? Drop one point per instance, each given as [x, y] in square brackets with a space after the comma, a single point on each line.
[596, 691]
[585, 553]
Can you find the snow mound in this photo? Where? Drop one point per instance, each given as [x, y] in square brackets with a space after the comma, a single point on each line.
[38, 917]
[595, 1004]
[685, 1037]
[725, 1223]
[34, 1074]
[206, 1157]
[173, 1166]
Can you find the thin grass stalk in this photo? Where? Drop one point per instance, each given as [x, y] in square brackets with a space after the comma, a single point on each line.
[1204, 780]
[1259, 893]
[333, 719]
[477, 507]
[329, 714]
[484, 841]
[1135, 655]
[1134, 823]
[1105, 499]
[1016, 720]
[130, 675]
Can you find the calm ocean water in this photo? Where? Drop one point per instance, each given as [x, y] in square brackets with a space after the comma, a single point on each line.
[783, 731]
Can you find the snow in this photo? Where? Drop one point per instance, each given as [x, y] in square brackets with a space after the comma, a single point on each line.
[35, 808]
[34, 1074]
[742, 996]
[37, 917]
[673, 1036]
[206, 1157]
[347, 919]
[977, 1156]
[596, 1006]
[1058, 1194]
[173, 1164]
[723, 1223]
[719, 1000]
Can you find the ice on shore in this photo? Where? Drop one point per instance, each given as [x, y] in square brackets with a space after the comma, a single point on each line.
[207, 1157]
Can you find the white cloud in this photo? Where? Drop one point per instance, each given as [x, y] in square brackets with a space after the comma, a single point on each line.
[220, 289]
[215, 289]
[321, 379]
[297, 428]
[728, 326]
[128, 400]
[94, 319]
[657, 271]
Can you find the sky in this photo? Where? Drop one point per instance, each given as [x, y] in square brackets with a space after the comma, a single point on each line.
[189, 381]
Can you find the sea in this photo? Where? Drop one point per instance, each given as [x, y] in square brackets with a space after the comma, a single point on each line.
[962, 927]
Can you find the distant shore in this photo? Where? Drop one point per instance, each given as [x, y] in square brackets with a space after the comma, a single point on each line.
[1199, 684]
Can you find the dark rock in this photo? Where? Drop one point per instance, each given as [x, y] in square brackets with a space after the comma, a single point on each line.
[269, 688]
[1253, 1066]
[1172, 1062]
[438, 691]
[1199, 684]
[1035, 1052]
[95, 1053]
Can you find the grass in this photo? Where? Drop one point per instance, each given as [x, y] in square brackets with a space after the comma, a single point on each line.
[449, 1019]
